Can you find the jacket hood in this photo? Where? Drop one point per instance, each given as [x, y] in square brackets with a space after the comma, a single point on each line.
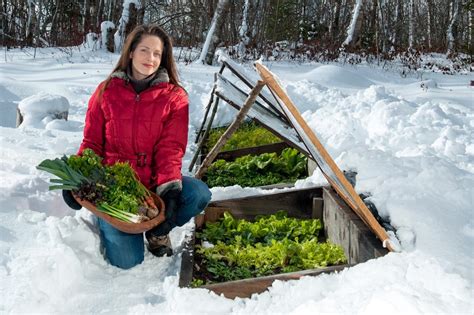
[160, 76]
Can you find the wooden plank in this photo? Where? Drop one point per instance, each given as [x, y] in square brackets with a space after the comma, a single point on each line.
[337, 223]
[277, 186]
[342, 226]
[208, 107]
[246, 287]
[327, 165]
[318, 205]
[204, 136]
[296, 202]
[364, 245]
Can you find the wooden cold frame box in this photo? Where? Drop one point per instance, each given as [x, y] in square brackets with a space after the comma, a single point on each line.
[341, 226]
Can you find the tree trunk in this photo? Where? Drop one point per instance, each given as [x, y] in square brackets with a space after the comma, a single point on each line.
[411, 24]
[85, 23]
[243, 30]
[335, 24]
[471, 30]
[397, 27]
[453, 16]
[99, 12]
[429, 11]
[375, 25]
[213, 35]
[30, 24]
[133, 16]
[353, 31]
[127, 23]
[383, 24]
[55, 24]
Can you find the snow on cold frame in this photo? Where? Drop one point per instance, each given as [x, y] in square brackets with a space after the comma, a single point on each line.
[410, 141]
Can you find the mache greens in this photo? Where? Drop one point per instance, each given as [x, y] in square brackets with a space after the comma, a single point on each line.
[233, 249]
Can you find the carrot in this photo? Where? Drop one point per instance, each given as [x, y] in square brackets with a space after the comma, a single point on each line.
[150, 202]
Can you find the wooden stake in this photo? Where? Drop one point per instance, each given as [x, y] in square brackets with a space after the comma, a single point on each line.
[230, 131]
[208, 107]
[347, 192]
[205, 135]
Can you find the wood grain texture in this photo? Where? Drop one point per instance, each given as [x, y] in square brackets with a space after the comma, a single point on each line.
[342, 226]
[246, 287]
[297, 203]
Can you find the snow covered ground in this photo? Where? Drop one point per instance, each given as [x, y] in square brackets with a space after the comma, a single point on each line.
[410, 140]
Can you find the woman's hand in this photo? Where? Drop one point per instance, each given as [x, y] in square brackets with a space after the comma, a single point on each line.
[171, 200]
[70, 201]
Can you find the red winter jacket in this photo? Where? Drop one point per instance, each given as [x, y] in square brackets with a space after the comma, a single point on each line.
[149, 130]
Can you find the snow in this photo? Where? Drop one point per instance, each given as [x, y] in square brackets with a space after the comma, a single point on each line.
[104, 29]
[410, 140]
[40, 110]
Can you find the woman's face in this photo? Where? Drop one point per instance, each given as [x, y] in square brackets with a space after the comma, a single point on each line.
[146, 58]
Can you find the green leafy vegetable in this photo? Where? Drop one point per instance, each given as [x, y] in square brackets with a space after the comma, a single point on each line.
[272, 244]
[264, 169]
[114, 189]
[249, 134]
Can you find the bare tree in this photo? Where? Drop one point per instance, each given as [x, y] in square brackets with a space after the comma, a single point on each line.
[470, 7]
[213, 35]
[411, 23]
[335, 24]
[30, 23]
[353, 30]
[453, 16]
[429, 15]
[243, 30]
[128, 21]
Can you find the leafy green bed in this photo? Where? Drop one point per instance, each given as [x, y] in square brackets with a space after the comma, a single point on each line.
[248, 135]
[251, 170]
[263, 169]
[232, 249]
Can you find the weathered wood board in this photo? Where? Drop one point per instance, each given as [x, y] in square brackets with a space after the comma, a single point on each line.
[342, 226]
[297, 203]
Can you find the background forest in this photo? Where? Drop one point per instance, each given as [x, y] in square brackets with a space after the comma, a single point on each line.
[281, 29]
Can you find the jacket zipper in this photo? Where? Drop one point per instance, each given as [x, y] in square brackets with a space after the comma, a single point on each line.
[134, 124]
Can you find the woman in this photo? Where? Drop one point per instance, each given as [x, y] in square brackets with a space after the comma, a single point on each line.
[139, 114]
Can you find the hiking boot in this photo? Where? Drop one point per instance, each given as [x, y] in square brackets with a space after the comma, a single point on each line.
[159, 246]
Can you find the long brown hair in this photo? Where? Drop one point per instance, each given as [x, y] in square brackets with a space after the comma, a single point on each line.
[132, 41]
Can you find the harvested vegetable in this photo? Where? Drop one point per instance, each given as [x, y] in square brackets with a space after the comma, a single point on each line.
[114, 189]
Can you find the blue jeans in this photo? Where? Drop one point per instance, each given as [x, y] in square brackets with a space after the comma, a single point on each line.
[127, 250]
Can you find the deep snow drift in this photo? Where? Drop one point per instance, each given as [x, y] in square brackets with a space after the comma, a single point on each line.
[411, 142]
